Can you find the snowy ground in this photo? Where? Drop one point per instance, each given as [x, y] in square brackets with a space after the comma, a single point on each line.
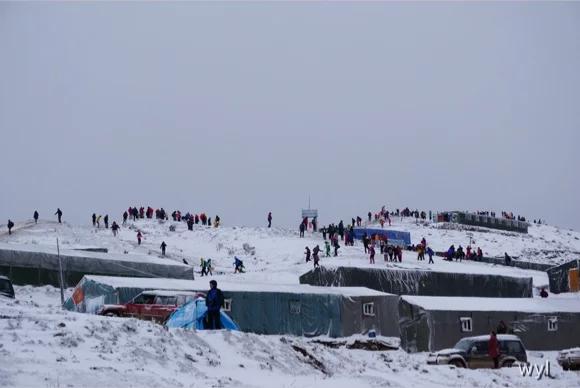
[43, 346]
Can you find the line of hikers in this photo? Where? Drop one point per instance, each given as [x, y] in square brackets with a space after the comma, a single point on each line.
[160, 214]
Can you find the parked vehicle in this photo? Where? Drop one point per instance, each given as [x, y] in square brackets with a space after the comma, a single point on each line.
[154, 305]
[6, 288]
[569, 358]
[472, 352]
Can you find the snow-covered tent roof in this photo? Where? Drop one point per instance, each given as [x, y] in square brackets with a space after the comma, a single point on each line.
[203, 284]
[524, 305]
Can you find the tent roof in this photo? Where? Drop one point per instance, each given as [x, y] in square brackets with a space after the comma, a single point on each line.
[196, 285]
[528, 305]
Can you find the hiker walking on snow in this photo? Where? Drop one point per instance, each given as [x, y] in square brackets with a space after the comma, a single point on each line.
[301, 229]
[239, 265]
[139, 237]
[115, 228]
[315, 256]
[106, 220]
[163, 246]
[35, 217]
[430, 253]
[269, 219]
[99, 221]
[214, 302]
[493, 349]
[372, 254]
[59, 215]
[327, 247]
[507, 259]
[203, 265]
[307, 252]
[94, 219]
[10, 226]
[125, 216]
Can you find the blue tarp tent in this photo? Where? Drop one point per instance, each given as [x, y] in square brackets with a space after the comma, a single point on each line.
[394, 237]
[192, 316]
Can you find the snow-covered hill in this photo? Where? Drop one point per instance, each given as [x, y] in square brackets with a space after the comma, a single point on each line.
[70, 349]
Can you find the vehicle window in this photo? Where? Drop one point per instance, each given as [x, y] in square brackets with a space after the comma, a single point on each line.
[481, 347]
[139, 299]
[511, 347]
[5, 286]
[464, 344]
[148, 299]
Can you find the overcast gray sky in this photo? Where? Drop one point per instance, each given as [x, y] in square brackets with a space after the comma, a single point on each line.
[240, 109]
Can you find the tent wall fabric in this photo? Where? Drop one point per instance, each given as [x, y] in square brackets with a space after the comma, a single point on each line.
[558, 276]
[394, 237]
[263, 309]
[25, 266]
[418, 282]
[539, 324]
[192, 314]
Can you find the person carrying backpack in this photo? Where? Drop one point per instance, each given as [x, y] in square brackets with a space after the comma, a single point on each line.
[239, 265]
[10, 226]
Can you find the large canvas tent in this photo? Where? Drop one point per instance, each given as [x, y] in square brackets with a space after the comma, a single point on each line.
[432, 323]
[420, 282]
[264, 308]
[41, 266]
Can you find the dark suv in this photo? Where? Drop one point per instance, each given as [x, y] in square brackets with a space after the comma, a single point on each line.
[472, 352]
[6, 288]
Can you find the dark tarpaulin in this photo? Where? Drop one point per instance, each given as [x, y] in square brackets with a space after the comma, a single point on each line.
[558, 276]
[417, 282]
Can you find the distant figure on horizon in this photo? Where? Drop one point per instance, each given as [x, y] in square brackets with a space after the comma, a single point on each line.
[59, 215]
[10, 226]
[94, 219]
[106, 220]
[269, 219]
[35, 217]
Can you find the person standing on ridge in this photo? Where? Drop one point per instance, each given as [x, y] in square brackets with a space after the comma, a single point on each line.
[269, 219]
[59, 215]
[94, 219]
[214, 302]
[36, 217]
[99, 221]
[125, 216]
[163, 246]
[10, 226]
[307, 252]
[139, 237]
[106, 220]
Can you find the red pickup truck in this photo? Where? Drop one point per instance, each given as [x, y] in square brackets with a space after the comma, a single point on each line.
[154, 305]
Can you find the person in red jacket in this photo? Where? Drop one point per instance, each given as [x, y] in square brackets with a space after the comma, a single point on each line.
[493, 349]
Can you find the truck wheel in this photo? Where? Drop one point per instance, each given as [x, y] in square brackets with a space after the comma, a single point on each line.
[111, 315]
[507, 364]
[457, 364]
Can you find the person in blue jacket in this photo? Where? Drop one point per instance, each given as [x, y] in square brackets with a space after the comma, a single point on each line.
[239, 265]
[214, 301]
